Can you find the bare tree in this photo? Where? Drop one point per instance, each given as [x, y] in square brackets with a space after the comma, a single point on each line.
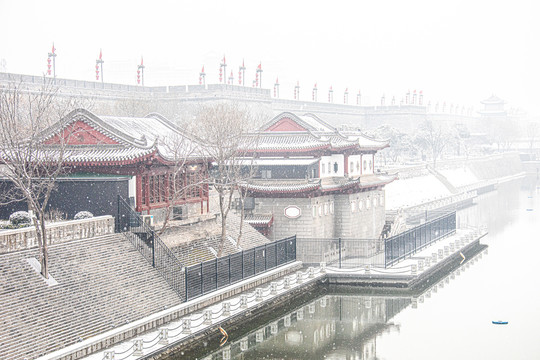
[29, 164]
[433, 138]
[223, 128]
[246, 173]
[184, 151]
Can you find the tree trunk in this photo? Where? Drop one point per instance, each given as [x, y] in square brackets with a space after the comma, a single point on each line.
[41, 236]
[241, 220]
[223, 234]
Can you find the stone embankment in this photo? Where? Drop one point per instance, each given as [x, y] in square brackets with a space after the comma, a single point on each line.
[421, 187]
[410, 274]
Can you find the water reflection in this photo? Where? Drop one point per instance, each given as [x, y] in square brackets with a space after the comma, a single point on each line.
[332, 326]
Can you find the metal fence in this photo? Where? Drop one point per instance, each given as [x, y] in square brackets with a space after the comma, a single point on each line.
[353, 253]
[215, 274]
[342, 253]
[413, 240]
[153, 249]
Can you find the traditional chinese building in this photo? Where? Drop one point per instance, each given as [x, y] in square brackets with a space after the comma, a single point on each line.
[149, 160]
[315, 181]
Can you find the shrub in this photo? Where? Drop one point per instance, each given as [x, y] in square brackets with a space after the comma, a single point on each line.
[20, 218]
[83, 215]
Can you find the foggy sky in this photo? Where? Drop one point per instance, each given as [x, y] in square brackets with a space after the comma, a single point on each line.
[456, 51]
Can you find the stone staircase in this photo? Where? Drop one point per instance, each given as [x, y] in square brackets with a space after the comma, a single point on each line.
[103, 282]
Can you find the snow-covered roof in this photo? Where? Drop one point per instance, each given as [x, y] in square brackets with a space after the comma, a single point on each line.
[281, 187]
[129, 138]
[290, 132]
[493, 100]
[259, 219]
[279, 161]
[317, 123]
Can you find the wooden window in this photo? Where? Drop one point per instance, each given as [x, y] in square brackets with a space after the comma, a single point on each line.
[162, 190]
[171, 187]
[144, 182]
[152, 190]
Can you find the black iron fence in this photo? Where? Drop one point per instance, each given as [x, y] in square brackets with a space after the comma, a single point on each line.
[342, 253]
[215, 274]
[148, 243]
[353, 253]
[413, 240]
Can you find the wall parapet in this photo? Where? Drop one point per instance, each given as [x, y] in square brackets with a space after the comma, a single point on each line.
[25, 238]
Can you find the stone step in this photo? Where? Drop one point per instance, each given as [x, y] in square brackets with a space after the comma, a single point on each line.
[103, 282]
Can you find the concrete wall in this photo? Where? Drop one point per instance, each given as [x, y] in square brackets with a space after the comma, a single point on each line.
[360, 215]
[25, 238]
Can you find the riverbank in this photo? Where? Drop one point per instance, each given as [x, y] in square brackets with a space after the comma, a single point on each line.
[422, 184]
[410, 274]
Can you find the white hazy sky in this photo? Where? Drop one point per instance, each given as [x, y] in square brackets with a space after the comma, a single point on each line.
[458, 51]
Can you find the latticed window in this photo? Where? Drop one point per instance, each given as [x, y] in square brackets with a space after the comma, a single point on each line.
[171, 186]
[152, 189]
[144, 182]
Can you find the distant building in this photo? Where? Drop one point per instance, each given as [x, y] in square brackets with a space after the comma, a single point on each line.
[314, 181]
[493, 108]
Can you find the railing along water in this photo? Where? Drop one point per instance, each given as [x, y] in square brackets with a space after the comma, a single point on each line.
[353, 253]
[153, 249]
[403, 245]
[215, 274]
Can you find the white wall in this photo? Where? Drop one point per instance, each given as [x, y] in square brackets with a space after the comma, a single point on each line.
[132, 188]
[368, 163]
[327, 161]
[356, 161]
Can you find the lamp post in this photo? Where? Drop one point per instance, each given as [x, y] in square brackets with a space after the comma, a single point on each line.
[242, 74]
[202, 77]
[140, 68]
[52, 55]
[258, 75]
[99, 65]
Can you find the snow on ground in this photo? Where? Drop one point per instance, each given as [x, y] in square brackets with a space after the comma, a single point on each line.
[414, 191]
[462, 176]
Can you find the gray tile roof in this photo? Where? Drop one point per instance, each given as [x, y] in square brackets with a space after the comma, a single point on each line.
[325, 185]
[136, 137]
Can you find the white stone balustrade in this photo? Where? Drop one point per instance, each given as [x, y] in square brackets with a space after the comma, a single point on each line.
[259, 294]
[207, 317]
[25, 238]
[164, 336]
[226, 308]
[273, 288]
[186, 326]
[243, 301]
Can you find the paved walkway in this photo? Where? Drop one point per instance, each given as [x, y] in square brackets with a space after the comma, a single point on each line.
[421, 262]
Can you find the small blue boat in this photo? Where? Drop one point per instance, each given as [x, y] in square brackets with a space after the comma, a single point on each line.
[499, 322]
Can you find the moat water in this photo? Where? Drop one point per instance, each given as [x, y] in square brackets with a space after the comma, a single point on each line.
[452, 319]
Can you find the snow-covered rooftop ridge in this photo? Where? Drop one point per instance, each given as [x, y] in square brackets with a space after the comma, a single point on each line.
[151, 132]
